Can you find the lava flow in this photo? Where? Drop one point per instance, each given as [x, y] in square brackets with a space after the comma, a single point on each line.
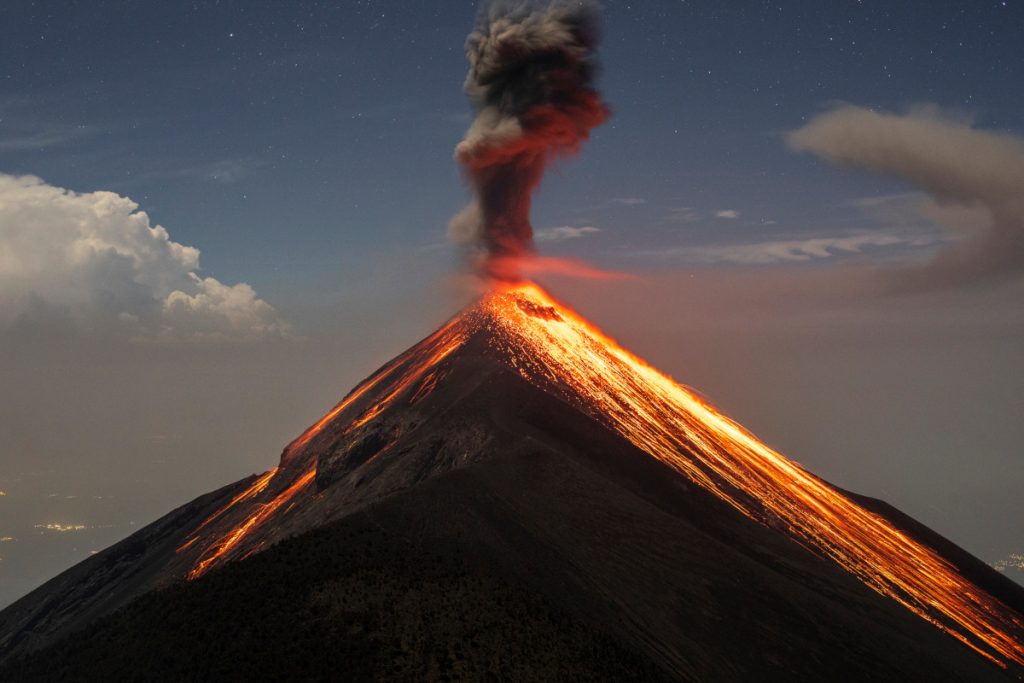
[281, 486]
[556, 350]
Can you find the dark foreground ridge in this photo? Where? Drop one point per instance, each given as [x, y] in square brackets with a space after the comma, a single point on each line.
[452, 518]
[348, 602]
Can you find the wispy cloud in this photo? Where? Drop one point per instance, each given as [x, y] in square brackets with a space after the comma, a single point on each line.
[16, 137]
[902, 209]
[22, 128]
[564, 232]
[787, 251]
[727, 213]
[683, 214]
[615, 203]
[230, 170]
[221, 172]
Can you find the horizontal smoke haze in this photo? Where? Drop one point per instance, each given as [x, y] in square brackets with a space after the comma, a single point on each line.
[973, 172]
[530, 82]
[785, 250]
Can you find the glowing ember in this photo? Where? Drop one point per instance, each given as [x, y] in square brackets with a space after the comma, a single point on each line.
[553, 348]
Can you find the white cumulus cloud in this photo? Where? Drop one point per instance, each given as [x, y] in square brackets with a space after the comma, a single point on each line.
[727, 213]
[94, 262]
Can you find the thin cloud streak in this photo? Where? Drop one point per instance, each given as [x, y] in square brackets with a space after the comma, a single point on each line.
[564, 232]
[786, 251]
[683, 214]
[15, 138]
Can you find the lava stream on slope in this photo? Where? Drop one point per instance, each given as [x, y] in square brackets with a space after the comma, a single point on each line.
[555, 349]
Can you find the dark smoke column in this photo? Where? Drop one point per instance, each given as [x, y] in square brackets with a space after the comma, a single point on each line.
[531, 83]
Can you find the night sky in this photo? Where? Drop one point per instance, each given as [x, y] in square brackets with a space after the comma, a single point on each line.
[832, 289]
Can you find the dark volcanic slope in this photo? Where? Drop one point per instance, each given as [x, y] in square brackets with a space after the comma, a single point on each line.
[462, 558]
[106, 581]
[588, 542]
[457, 461]
[345, 602]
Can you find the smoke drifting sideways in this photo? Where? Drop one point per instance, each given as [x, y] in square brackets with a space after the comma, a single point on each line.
[530, 81]
[977, 172]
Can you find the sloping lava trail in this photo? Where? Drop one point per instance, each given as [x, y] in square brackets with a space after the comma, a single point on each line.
[240, 528]
[557, 351]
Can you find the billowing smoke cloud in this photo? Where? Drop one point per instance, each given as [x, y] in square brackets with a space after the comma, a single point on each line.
[93, 264]
[531, 83]
[976, 173]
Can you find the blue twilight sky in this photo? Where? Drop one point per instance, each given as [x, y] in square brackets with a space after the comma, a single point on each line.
[293, 141]
[305, 149]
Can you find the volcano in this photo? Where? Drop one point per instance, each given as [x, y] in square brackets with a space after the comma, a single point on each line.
[526, 449]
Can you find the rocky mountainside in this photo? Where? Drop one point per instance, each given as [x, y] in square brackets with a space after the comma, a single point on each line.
[518, 449]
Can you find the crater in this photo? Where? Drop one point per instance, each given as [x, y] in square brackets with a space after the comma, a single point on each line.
[537, 311]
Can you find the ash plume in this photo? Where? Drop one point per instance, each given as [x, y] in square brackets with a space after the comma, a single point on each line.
[531, 83]
[978, 173]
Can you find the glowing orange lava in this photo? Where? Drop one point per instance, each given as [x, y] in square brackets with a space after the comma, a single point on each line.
[263, 512]
[440, 344]
[395, 378]
[555, 349]
[553, 344]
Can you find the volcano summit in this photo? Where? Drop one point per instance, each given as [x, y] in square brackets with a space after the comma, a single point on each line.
[519, 449]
